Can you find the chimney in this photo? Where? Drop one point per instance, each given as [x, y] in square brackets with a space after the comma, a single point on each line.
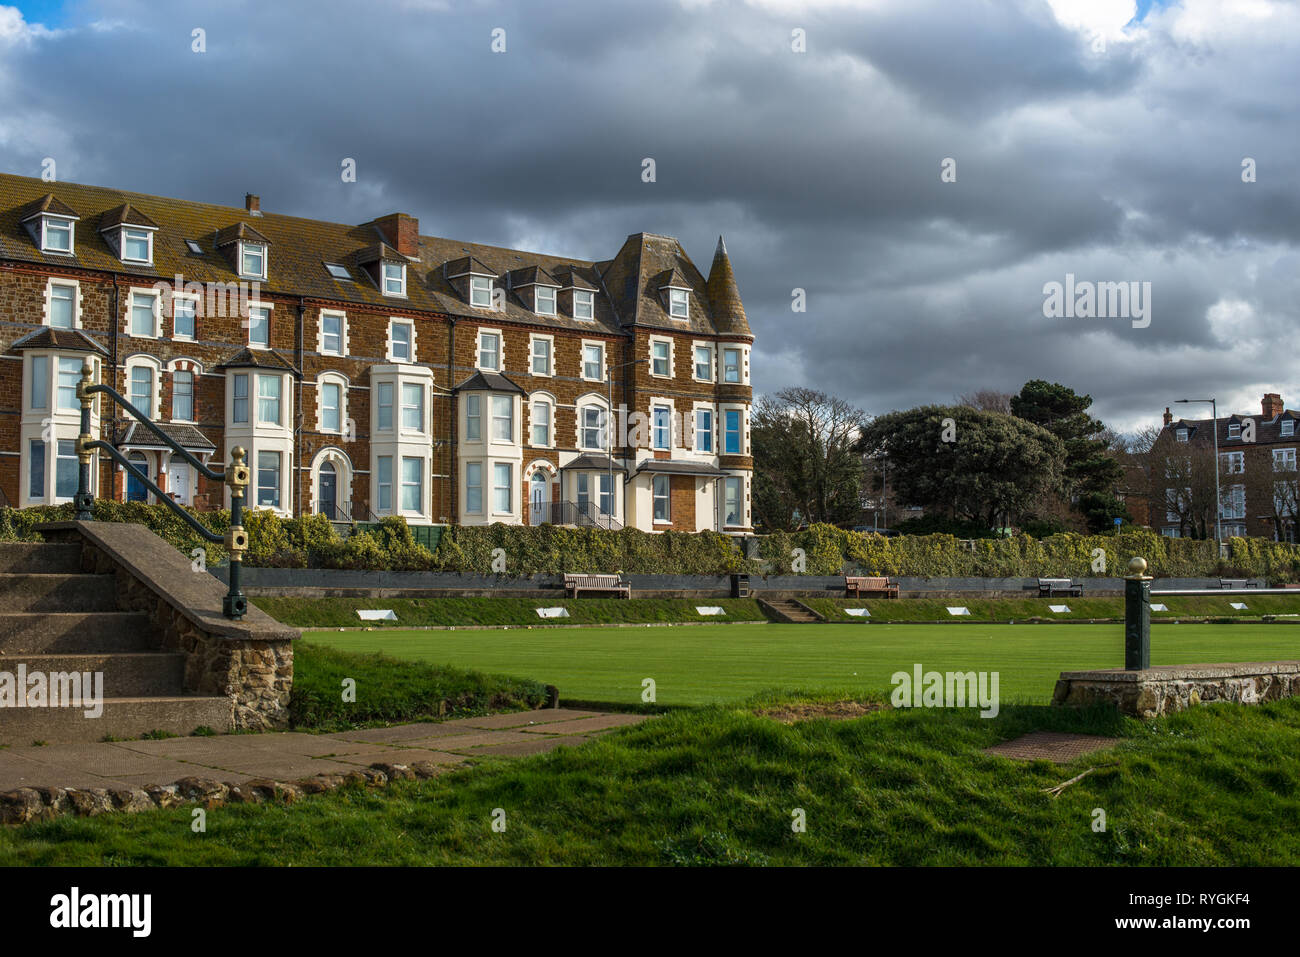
[1168, 416]
[402, 232]
[253, 204]
[1272, 405]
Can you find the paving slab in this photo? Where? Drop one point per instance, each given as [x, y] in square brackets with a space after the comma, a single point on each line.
[601, 722]
[1054, 746]
[291, 755]
[523, 718]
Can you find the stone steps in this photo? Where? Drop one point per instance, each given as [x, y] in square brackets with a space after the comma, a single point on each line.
[39, 558]
[126, 675]
[57, 592]
[45, 633]
[124, 718]
[791, 611]
[56, 619]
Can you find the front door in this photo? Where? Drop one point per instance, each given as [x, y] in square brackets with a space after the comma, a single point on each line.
[329, 495]
[178, 482]
[539, 498]
[135, 490]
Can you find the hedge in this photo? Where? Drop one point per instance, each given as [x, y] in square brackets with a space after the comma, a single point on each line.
[312, 542]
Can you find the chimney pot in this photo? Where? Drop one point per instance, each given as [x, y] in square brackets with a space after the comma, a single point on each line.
[1169, 416]
[1271, 405]
[252, 203]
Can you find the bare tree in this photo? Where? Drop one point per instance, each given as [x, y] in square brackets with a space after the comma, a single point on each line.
[987, 400]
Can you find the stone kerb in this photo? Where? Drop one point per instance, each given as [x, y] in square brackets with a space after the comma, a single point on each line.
[1152, 692]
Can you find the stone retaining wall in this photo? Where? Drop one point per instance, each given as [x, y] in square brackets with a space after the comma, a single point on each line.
[1153, 692]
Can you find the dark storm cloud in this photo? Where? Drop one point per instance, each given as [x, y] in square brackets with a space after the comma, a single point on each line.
[822, 168]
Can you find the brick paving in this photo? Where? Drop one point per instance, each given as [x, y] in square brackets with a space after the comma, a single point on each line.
[1054, 746]
[290, 755]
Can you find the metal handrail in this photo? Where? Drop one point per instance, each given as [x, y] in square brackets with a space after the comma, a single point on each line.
[236, 477]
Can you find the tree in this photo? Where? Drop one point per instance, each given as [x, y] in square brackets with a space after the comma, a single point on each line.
[1181, 476]
[989, 400]
[966, 463]
[1092, 470]
[806, 467]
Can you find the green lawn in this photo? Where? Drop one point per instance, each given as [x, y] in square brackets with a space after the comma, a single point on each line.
[728, 663]
[1213, 786]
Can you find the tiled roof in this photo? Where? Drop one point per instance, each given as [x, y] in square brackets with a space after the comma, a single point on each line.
[625, 287]
[378, 252]
[591, 463]
[247, 358]
[125, 215]
[187, 437]
[532, 275]
[70, 340]
[1267, 431]
[48, 203]
[488, 382]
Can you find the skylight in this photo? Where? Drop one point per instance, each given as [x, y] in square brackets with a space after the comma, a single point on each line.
[193, 246]
[339, 272]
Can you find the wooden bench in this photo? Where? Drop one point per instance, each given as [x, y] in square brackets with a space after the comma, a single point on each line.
[575, 584]
[1051, 587]
[1236, 583]
[855, 586]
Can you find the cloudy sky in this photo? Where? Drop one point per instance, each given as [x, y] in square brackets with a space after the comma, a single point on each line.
[1099, 138]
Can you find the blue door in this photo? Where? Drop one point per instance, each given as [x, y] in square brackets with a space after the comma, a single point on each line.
[135, 490]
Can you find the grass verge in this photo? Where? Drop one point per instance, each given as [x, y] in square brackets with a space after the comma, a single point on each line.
[719, 785]
[1081, 609]
[423, 612]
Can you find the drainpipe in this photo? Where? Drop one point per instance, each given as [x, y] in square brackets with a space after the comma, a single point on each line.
[453, 477]
[297, 432]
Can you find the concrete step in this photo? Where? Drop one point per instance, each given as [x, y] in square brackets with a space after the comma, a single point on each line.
[791, 611]
[44, 633]
[123, 718]
[57, 592]
[39, 558]
[126, 675]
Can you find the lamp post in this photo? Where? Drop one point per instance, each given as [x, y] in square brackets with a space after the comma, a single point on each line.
[609, 433]
[1218, 501]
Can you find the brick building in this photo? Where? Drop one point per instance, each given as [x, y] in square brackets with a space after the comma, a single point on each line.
[1257, 474]
[369, 370]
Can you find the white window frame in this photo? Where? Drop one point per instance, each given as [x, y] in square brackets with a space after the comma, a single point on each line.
[1286, 428]
[48, 220]
[536, 402]
[474, 401]
[742, 431]
[500, 350]
[588, 297]
[740, 365]
[151, 371]
[75, 286]
[194, 382]
[343, 332]
[668, 359]
[602, 429]
[393, 323]
[261, 307]
[550, 355]
[676, 297]
[496, 402]
[667, 409]
[155, 308]
[667, 499]
[740, 501]
[148, 241]
[551, 292]
[695, 361]
[334, 379]
[469, 466]
[402, 406]
[698, 432]
[476, 286]
[385, 280]
[192, 298]
[245, 246]
[1287, 458]
[278, 504]
[1234, 463]
[280, 400]
[509, 487]
[598, 344]
[1181, 435]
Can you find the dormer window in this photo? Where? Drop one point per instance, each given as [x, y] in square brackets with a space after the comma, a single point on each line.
[1234, 430]
[57, 234]
[480, 291]
[545, 300]
[584, 304]
[137, 245]
[1181, 435]
[1288, 427]
[678, 303]
[252, 260]
[394, 279]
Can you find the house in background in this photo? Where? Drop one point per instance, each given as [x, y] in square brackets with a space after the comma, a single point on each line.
[369, 370]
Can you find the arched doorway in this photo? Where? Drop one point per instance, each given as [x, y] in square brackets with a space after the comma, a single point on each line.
[539, 498]
[329, 491]
[135, 489]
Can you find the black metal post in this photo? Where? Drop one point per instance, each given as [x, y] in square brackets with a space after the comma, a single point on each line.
[84, 501]
[1137, 617]
[235, 605]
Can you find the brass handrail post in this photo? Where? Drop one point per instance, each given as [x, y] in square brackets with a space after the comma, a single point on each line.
[84, 501]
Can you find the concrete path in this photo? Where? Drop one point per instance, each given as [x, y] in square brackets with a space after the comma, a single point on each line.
[288, 756]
